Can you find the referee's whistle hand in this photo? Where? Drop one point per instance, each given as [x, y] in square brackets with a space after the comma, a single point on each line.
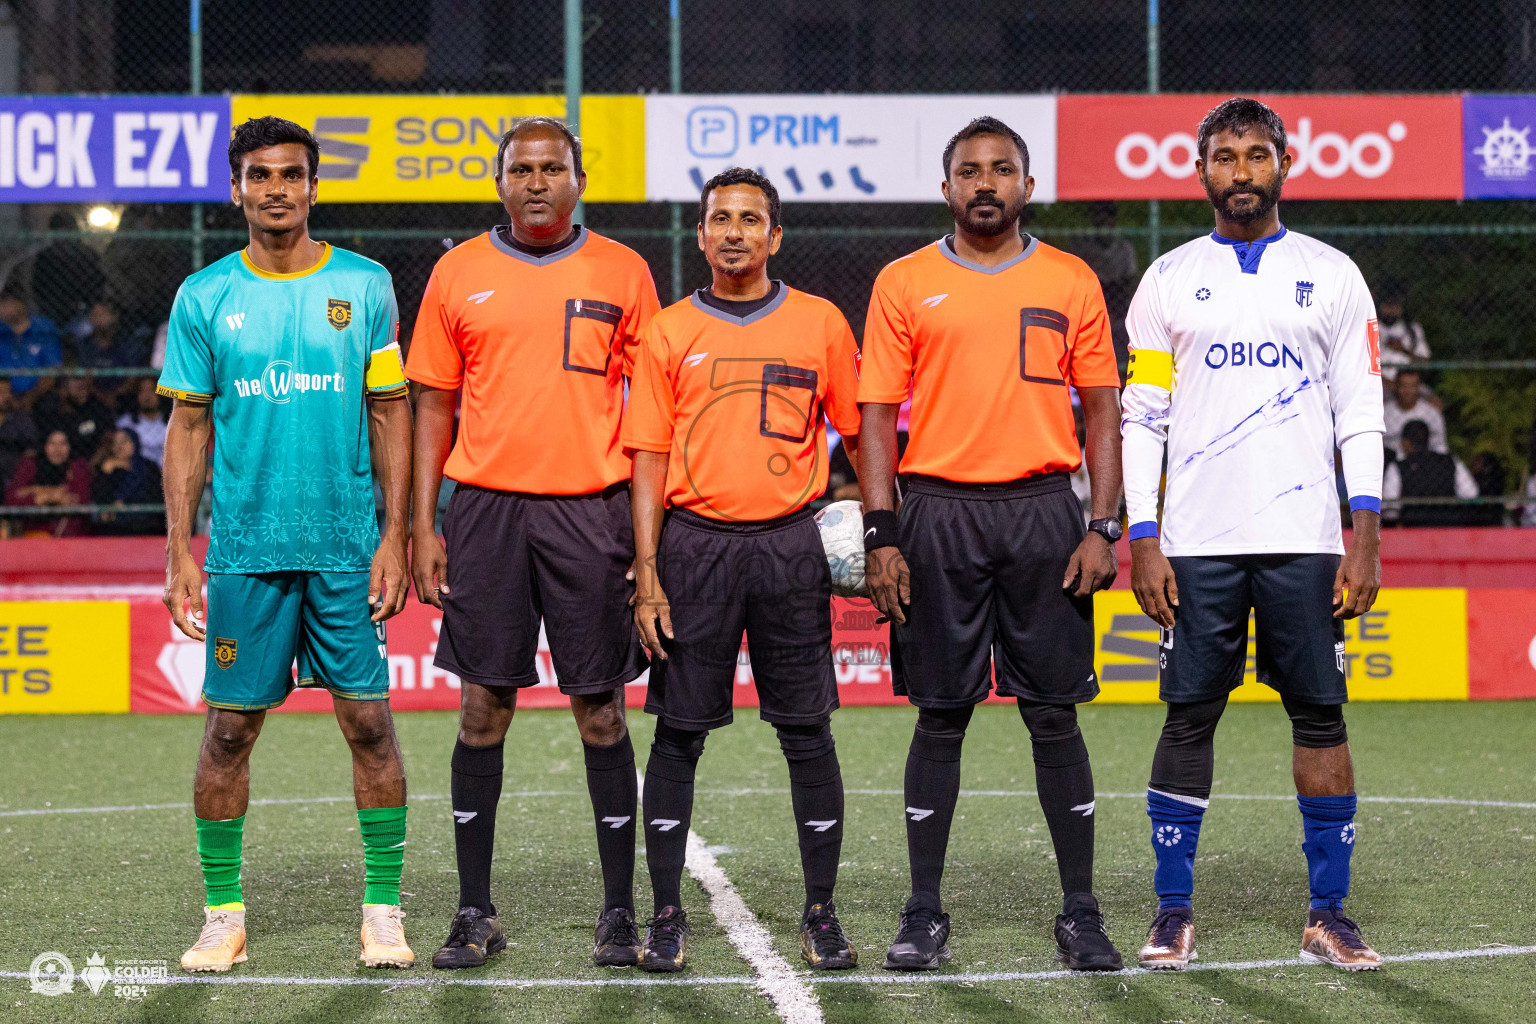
[890, 583]
[1152, 581]
[429, 568]
[1094, 566]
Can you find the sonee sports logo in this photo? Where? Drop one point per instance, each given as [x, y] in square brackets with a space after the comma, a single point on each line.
[1347, 834]
[1168, 835]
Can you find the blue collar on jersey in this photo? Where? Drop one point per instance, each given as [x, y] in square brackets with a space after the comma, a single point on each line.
[1249, 253]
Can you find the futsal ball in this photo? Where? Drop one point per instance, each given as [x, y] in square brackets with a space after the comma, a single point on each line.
[842, 536]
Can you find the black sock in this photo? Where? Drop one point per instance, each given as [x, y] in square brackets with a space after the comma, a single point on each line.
[932, 787]
[669, 809]
[1064, 780]
[615, 792]
[816, 792]
[476, 788]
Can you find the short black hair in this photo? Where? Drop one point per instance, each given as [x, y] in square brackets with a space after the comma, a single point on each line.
[261, 132]
[1416, 431]
[1240, 115]
[986, 126]
[523, 124]
[743, 176]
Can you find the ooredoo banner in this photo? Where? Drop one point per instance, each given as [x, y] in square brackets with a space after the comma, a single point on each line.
[1342, 147]
[816, 148]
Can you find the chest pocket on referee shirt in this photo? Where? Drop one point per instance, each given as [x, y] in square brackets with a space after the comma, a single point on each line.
[788, 402]
[1044, 332]
[589, 329]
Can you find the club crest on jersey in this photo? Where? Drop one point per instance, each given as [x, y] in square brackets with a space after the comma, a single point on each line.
[224, 650]
[1303, 294]
[339, 313]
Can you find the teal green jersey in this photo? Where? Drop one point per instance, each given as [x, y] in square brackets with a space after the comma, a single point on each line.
[286, 361]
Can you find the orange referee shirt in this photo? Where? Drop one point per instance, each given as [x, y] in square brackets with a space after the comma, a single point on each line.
[987, 354]
[738, 402]
[540, 346]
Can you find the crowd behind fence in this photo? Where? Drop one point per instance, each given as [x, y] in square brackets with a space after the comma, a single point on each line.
[85, 293]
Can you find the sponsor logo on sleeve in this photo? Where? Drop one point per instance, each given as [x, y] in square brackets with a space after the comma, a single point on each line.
[1373, 345]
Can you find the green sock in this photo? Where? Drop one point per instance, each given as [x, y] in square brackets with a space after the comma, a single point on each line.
[383, 831]
[218, 847]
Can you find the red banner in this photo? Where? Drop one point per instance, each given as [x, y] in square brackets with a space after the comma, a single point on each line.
[1501, 644]
[1342, 147]
[167, 667]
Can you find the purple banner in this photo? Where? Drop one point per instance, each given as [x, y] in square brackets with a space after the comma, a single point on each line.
[1499, 153]
[65, 149]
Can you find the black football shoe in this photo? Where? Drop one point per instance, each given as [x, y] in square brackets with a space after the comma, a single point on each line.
[616, 942]
[1081, 942]
[922, 938]
[472, 938]
[823, 943]
[666, 942]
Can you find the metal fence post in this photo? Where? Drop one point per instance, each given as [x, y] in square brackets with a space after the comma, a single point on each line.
[675, 55]
[1154, 207]
[195, 83]
[573, 78]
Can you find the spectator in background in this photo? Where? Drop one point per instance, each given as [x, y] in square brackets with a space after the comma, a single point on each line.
[147, 420]
[1402, 340]
[1420, 472]
[51, 478]
[1528, 514]
[1112, 258]
[1488, 472]
[126, 477]
[99, 342]
[66, 275]
[27, 341]
[1407, 402]
[18, 431]
[73, 408]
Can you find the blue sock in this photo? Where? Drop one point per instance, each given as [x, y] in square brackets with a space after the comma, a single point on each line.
[1175, 831]
[1328, 839]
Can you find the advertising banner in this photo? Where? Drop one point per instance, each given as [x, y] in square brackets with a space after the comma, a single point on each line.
[815, 148]
[141, 149]
[1411, 646]
[1496, 146]
[63, 656]
[1343, 147]
[442, 149]
[1501, 637]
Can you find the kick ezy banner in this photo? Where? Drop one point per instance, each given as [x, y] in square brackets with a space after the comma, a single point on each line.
[143, 149]
[832, 148]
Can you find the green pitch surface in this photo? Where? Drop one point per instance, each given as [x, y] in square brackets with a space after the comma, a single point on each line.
[123, 880]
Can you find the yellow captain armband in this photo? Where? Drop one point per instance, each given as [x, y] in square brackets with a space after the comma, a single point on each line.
[1149, 366]
[386, 376]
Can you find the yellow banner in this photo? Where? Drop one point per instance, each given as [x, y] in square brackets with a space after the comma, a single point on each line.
[442, 149]
[63, 656]
[1411, 646]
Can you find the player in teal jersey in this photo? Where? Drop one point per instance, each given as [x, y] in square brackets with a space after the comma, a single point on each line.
[286, 352]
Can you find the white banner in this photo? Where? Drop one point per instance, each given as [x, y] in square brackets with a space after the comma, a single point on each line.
[871, 149]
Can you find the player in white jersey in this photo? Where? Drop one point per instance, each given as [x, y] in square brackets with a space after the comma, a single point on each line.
[1254, 355]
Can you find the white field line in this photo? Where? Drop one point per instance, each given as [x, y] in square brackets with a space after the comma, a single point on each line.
[1284, 798]
[807, 978]
[785, 991]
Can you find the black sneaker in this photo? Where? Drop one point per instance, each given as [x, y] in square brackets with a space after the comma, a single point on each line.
[1081, 942]
[666, 942]
[922, 938]
[823, 943]
[616, 942]
[473, 936]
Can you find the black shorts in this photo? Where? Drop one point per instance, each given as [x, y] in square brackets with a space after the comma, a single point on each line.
[768, 578]
[1300, 645]
[514, 559]
[986, 564]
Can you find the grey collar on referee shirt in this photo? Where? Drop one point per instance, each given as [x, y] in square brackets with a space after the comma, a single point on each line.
[947, 247]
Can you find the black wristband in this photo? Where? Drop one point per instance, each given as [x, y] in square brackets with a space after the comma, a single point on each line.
[879, 529]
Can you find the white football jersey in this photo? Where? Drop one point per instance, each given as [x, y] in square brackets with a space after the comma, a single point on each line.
[1252, 361]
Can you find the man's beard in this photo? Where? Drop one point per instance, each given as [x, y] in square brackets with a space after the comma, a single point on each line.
[1268, 198]
[1009, 221]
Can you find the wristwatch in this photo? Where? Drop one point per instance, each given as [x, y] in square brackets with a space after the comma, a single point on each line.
[1109, 529]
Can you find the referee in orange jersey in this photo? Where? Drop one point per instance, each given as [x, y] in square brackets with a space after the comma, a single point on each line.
[987, 571]
[726, 420]
[531, 328]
